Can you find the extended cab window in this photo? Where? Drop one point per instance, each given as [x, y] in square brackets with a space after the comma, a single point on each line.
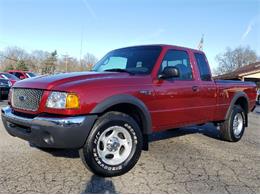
[203, 66]
[180, 60]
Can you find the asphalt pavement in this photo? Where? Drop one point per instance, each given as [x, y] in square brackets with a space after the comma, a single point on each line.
[187, 160]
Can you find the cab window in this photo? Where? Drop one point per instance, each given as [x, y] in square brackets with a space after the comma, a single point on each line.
[180, 60]
[203, 66]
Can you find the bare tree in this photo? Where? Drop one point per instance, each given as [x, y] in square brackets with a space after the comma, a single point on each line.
[49, 64]
[43, 62]
[230, 60]
[15, 53]
[88, 61]
[11, 56]
[68, 64]
[37, 60]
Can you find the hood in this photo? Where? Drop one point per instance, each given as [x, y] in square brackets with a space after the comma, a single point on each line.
[51, 81]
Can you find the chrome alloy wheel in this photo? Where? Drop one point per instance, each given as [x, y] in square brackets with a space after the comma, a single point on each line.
[238, 124]
[114, 145]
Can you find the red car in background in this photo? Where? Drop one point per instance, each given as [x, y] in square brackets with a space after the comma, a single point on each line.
[22, 74]
[9, 77]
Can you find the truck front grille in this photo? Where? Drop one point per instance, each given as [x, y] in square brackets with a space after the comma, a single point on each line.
[26, 99]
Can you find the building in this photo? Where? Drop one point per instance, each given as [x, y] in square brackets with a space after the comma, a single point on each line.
[249, 72]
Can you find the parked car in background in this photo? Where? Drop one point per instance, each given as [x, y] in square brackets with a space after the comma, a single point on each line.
[5, 86]
[22, 74]
[258, 97]
[8, 76]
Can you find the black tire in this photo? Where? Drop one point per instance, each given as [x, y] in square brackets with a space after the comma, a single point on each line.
[89, 153]
[258, 100]
[226, 128]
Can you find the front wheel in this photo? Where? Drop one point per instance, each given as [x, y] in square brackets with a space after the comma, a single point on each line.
[233, 128]
[113, 146]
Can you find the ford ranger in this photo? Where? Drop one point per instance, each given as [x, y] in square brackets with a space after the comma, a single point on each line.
[108, 113]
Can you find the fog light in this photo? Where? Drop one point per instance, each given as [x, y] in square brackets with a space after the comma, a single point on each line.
[48, 139]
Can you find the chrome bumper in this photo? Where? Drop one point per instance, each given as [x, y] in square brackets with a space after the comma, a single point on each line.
[46, 121]
[55, 132]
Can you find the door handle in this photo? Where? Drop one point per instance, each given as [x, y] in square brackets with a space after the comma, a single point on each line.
[195, 88]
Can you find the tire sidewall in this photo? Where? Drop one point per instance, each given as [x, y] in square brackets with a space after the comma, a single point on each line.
[235, 111]
[91, 156]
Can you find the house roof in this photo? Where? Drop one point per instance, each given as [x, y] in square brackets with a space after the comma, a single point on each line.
[248, 69]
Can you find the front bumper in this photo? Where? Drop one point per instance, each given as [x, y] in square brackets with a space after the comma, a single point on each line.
[49, 132]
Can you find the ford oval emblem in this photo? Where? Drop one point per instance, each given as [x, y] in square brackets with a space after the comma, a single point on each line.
[22, 98]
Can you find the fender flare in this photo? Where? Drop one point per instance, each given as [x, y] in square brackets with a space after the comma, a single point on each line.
[129, 99]
[233, 101]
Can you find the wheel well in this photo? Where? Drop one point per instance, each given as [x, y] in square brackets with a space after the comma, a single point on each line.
[136, 114]
[129, 109]
[244, 105]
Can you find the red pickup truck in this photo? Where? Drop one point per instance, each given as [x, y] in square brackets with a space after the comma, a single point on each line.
[109, 112]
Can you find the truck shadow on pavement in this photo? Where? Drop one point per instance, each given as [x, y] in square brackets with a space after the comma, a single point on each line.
[99, 185]
[67, 153]
[208, 130]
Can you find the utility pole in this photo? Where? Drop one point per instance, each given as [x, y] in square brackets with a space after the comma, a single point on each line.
[66, 57]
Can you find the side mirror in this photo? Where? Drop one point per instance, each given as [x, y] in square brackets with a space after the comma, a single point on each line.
[169, 72]
[22, 77]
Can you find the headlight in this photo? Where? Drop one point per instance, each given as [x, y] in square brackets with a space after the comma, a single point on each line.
[62, 100]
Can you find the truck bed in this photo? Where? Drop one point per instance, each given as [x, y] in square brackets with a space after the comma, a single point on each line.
[226, 90]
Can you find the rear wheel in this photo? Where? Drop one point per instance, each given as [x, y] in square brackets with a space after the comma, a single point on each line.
[113, 146]
[233, 128]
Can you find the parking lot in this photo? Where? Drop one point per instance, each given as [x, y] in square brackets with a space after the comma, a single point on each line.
[188, 160]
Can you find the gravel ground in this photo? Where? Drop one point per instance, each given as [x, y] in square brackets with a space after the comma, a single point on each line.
[188, 160]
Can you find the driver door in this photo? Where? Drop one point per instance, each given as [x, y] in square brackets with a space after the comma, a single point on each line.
[176, 101]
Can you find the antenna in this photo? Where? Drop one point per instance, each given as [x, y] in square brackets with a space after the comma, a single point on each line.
[81, 40]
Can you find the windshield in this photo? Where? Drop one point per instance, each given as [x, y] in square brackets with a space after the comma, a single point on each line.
[136, 60]
[9, 76]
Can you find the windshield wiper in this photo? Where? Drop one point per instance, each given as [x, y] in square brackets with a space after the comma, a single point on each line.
[119, 70]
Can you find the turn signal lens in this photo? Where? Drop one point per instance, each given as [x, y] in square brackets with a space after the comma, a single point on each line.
[72, 101]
